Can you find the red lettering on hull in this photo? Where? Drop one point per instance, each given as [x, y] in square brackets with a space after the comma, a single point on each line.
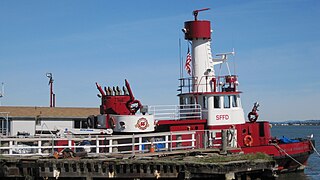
[222, 117]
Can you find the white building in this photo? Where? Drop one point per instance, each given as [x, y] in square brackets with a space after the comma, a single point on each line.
[15, 120]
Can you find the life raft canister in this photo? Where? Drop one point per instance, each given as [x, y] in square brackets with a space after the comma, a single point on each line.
[248, 140]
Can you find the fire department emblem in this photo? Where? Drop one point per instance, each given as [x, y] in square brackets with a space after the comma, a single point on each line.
[142, 124]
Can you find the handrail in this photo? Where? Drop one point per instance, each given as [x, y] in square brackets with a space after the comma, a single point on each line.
[109, 144]
[187, 84]
[175, 112]
[99, 143]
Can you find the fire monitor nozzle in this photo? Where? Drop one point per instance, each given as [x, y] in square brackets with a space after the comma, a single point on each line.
[195, 12]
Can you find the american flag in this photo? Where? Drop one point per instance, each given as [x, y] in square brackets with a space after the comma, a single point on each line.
[188, 62]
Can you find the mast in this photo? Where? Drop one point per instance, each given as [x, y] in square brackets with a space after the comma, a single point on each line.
[218, 96]
[199, 33]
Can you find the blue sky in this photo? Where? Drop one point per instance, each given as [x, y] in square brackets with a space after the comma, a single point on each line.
[83, 42]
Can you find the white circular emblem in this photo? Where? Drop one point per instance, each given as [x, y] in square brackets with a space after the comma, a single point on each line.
[142, 124]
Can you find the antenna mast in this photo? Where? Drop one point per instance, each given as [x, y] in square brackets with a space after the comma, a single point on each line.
[2, 91]
[52, 95]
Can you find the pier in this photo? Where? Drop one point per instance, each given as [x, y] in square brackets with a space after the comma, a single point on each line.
[141, 156]
[177, 165]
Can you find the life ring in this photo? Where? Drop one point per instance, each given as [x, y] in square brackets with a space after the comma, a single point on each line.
[112, 122]
[253, 116]
[248, 140]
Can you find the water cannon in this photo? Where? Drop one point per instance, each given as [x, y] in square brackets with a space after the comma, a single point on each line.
[116, 100]
[100, 89]
[133, 105]
[255, 106]
[195, 12]
[129, 90]
[253, 115]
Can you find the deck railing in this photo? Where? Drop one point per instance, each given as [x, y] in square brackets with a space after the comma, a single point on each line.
[136, 143]
[174, 112]
[187, 84]
[139, 143]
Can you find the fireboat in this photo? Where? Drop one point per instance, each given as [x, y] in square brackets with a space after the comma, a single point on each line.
[208, 118]
[208, 104]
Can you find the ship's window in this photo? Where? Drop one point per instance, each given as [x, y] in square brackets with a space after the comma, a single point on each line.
[216, 101]
[77, 124]
[2, 120]
[80, 123]
[239, 101]
[226, 101]
[205, 102]
[234, 101]
[5, 125]
[182, 100]
[38, 120]
[185, 99]
[191, 100]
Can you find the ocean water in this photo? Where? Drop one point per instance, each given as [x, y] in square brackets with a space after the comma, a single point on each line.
[312, 171]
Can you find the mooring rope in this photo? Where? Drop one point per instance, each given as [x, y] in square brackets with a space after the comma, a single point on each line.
[276, 145]
[314, 148]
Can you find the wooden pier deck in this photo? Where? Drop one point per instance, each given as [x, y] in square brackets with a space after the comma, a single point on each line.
[182, 164]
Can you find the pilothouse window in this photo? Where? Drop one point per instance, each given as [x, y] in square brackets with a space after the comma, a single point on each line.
[226, 101]
[216, 102]
[182, 100]
[192, 100]
[234, 101]
[205, 102]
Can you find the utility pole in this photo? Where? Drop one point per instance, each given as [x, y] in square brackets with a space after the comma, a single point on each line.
[52, 95]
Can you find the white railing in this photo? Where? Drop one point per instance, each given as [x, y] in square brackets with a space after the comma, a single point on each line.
[140, 143]
[109, 144]
[188, 85]
[175, 112]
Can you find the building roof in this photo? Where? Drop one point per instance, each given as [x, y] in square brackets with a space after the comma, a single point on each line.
[23, 111]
